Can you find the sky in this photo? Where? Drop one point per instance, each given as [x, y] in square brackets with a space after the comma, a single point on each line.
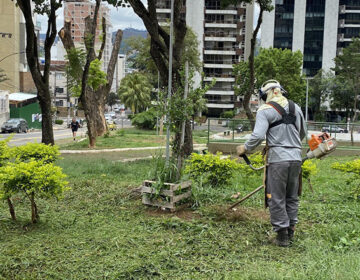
[121, 18]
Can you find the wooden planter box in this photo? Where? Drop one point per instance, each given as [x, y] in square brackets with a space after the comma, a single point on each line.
[168, 197]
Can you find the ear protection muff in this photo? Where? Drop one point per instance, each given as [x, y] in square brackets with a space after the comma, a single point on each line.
[264, 88]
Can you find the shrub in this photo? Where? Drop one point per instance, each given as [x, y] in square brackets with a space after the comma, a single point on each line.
[36, 151]
[145, 120]
[211, 168]
[352, 167]
[4, 151]
[309, 169]
[29, 169]
[256, 160]
[227, 114]
[33, 178]
[59, 122]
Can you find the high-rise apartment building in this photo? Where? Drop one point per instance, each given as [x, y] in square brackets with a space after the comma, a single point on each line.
[224, 36]
[319, 29]
[76, 11]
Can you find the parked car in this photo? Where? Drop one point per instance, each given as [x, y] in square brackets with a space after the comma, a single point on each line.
[333, 128]
[15, 125]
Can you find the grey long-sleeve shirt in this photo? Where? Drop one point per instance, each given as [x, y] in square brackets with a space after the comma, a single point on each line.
[284, 141]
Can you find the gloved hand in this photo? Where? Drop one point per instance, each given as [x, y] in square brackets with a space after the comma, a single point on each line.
[240, 150]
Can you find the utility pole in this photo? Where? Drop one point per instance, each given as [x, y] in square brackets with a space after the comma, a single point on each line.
[55, 93]
[167, 151]
[157, 98]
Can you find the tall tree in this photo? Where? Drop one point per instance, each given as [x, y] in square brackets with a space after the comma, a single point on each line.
[135, 91]
[41, 78]
[159, 50]
[282, 65]
[320, 88]
[265, 6]
[93, 91]
[347, 69]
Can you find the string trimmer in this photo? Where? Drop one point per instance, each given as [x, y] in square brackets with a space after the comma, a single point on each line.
[320, 145]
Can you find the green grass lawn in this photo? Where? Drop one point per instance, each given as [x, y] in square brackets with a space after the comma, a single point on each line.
[100, 230]
[129, 138]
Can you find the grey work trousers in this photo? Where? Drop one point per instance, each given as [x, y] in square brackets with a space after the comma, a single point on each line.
[282, 183]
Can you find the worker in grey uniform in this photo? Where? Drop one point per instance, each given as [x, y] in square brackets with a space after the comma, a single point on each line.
[283, 139]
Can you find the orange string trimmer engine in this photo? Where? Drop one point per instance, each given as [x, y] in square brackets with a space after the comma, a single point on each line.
[320, 145]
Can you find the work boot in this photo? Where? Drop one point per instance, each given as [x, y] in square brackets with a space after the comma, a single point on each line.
[282, 238]
[291, 232]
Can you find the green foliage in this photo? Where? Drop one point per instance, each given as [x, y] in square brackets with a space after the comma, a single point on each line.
[74, 68]
[32, 177]
[146, 119]
[227, 114]
[282, 65]
[38, 152]
[120, 132]
[309, 168]
[5, 151]
[212, 169]
[352, 167]
[347, 68]
[257, 161]
[134, 92]
[59, 122]
[30, 170]
[112, 98]
[97, 77]
[319, 88]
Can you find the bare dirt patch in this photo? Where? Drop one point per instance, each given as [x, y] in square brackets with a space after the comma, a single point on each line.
[184, 214]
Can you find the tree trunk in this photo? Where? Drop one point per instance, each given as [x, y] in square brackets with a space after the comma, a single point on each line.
[34, 211]
[46, 123]
[11, 209]
[355, 117]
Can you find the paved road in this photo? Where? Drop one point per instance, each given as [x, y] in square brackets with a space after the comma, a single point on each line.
[35, 136]
[62, 133]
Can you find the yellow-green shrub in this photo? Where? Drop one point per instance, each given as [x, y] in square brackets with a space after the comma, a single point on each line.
[37, 151]
[211, 168]
[352, 167]
[33, 178]
[4, 151]
[256, 160]
[309, 168]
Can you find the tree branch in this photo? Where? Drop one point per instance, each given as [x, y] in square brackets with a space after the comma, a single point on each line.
[103, 38]
[113, 60]
[91, 50]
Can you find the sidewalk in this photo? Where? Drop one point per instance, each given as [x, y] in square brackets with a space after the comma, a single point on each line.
[197, 146]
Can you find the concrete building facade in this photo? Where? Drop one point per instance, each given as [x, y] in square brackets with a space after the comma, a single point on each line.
[319, 29]
[224, 36]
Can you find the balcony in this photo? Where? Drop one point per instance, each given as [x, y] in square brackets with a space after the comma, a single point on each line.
[225, 61]
[221, 39]
[163, 11]
[231, 51]
[221, 34]
[219, 79]
[220, 66]
[221, 25]
[220, 12]
[229, 92]
[220, 104]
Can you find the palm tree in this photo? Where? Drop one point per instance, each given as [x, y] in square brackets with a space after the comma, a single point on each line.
[135, 91]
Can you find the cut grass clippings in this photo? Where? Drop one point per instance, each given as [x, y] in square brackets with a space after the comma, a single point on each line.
[100, 230]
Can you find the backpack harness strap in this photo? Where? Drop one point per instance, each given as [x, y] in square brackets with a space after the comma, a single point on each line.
[287, 118]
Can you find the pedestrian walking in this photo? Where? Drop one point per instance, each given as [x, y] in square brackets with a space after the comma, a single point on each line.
[74, 127]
